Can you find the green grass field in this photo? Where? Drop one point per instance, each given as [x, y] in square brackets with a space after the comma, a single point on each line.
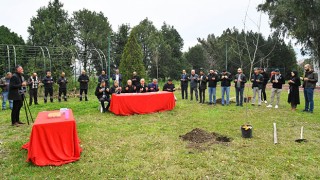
[149, 147]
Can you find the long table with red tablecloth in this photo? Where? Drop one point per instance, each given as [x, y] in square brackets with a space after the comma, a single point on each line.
[142, 103]
[53, 141]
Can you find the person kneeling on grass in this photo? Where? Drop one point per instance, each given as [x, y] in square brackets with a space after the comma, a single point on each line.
[103, 95]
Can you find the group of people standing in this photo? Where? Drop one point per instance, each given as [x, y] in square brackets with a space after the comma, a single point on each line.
[259, 80]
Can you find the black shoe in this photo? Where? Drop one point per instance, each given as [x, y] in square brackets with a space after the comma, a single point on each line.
[45, 101]
[86, 99]
[237, 105]
[305, 110]
[36, 103]
[51, 100]
[80, 99]
[19, 122]
[65, 99]
[59, 100]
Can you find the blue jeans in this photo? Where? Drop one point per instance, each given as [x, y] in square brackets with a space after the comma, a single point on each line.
[308, 96]
[212, 92]
[239, 95]
[5, 99]
[225, 90]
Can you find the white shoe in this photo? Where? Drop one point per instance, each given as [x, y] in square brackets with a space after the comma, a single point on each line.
[266, 102]
[269, 106]
[276, 106]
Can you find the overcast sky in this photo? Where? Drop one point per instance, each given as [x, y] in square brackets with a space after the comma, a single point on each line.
[191, 18]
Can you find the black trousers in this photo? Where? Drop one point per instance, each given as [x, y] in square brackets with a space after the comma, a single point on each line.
[15, 113]
[195, 89]
[64, 92]
[202, 95]
[48, 91]
[263, 93]
[85, 91]
[33, 95]
[184, 90]
[102, 100]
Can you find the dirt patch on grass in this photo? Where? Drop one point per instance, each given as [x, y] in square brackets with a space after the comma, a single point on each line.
[202, 140]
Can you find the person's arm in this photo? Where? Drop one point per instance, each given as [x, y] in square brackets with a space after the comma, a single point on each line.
[79, 79]
[314, 77]
[174, 88]
[165, 87]
[2, 84]
[59, 81]
[244, 79]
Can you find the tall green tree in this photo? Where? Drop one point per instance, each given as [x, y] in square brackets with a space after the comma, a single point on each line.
[51, 26]
[119, 42]
[91, 30]
[147, 35]
[7, 40]
[299, 19]
[132, 59]
[196, 57]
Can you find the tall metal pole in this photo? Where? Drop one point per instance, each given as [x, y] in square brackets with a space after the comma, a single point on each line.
[8, 51]
[15, 56]
[109, 56]
[226, 55]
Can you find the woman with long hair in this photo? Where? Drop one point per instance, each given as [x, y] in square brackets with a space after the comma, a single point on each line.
[293, 97]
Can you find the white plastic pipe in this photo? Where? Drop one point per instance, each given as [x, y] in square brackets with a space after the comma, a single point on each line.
[301, 134]
[275, 137]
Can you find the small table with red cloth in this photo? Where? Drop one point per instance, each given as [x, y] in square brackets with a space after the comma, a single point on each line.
[53, 141]
[142, 103]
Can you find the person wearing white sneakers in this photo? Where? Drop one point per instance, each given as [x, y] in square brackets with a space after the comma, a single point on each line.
[277, 81]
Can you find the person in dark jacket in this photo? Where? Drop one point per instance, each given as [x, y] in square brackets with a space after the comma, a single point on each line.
[142, 88]
[135, 79]
[169, 86]
[239, 84]
[17, 88]
[129, 88]
[184, 84]
[103, 76]
[153, 87]
[277, 81]
[103, 95]
[294, 97]
[225, 79]
[310, 80]
[212, 79]
[265, 82]
[48, 86]
[62, 82]
[4, 84]
[257, 84]
[193, 84]
[84, 81]
[115, 89]
[33, 83]
[202, 80]
[117, 77]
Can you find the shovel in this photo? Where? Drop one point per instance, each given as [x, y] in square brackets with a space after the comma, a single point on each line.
[301, 137]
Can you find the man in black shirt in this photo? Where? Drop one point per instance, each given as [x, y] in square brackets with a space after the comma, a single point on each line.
[169, 86]
[135, 79]
[212, 78]
[225, 79]
[277, 81]
[33, 83]
[104, 77]
[265, 82]
[62, 81]
[202, 80]
[130, 88]
[103, 94]
[84, 81]
[48, 86]
[184, 84]
[16, 93]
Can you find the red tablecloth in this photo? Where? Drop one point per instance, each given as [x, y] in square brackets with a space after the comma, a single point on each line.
[53, 141]
[141, 103]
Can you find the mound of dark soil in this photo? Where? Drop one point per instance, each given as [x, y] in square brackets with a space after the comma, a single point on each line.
[201, 139]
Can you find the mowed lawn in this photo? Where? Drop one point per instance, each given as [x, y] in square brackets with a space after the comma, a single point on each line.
[149, 147]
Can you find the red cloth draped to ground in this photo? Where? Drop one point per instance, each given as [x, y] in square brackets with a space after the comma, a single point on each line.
[142, 103]
[53, 141]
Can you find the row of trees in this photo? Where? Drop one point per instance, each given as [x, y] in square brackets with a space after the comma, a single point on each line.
[152, 52]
